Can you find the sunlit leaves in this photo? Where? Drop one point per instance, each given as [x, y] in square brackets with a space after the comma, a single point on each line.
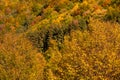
[19, 60]
[68, 40]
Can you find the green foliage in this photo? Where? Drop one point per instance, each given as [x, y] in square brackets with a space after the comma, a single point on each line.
[37, 9]
[113, 14]
[113, 10]
[47, 12]
[42, 35]
[115, 2]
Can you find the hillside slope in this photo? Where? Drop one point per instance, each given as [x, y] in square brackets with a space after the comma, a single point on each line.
[59, 39]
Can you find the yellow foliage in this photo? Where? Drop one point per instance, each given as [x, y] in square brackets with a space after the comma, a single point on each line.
[74, 40]
[19, 60]
[75, 8]
[89, 55]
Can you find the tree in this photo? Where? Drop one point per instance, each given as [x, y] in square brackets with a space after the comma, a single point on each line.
[19, 60]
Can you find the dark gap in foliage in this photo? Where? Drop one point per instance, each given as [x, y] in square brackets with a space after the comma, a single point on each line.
[41, 37]
[57, 8]
[80, 0]
[40, 13]
[113, 11]
[116, 76]
[45, 41]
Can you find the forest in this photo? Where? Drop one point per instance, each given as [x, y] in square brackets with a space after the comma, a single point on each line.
[59, 39]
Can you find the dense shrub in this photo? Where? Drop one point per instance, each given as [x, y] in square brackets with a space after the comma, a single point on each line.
[19, 60]
[86, 55]
[113, 14]
[66, 40]
[115, 2]
[40, 38]
[113, 10]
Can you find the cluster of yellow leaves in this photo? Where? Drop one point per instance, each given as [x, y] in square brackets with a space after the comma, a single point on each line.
[91, 54]
[97, 52]
[19, 60]
[87, 55]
